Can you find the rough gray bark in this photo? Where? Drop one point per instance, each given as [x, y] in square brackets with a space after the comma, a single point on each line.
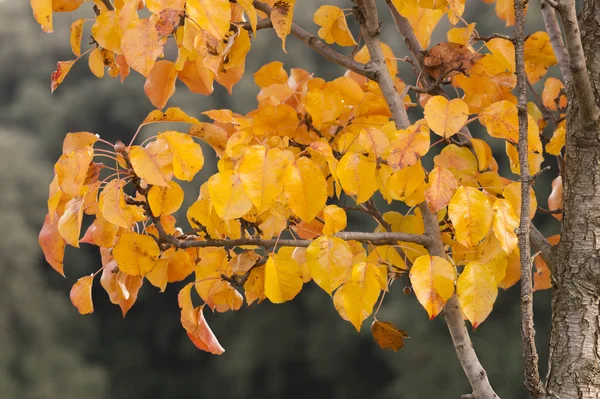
[575, 337]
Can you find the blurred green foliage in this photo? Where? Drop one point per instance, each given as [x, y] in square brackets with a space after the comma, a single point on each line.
[299, 349]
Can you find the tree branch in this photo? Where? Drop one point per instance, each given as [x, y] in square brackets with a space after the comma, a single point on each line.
[369, 29]
[108, 5]
[387, 238]
[473, 369]
[533, 381]
[476, 374]
[590, 113]
[541, 244]
[318, 46]
[556, 40]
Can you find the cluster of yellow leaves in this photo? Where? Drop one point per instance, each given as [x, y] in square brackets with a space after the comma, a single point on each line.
[308, 142]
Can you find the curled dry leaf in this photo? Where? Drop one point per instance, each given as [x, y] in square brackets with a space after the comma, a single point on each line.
[387, 335]
[446, 59]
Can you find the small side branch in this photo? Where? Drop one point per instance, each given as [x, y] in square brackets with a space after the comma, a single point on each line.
[318, 46]
[533, 381]
[590, 112]
[540, 244]
[556, 40]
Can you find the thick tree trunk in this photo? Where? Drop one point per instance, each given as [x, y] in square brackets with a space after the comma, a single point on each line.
[575, 337]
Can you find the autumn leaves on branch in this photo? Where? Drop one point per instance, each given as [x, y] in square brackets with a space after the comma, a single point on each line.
[274, 216]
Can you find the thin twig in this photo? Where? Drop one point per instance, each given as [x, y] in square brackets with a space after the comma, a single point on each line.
[533, 381]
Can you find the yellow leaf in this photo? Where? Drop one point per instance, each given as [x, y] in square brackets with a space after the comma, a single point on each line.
[422, 20]
[153, 163]
[281, 16]
[96, 63]
[504, 50]
[505, 223]
[471, 214]
[165, 200]
[66, 5]
[107, 31]
[219, 295]
[538, 56]
[323, 105]
[491, 254]
[445, 117]
[512, 193]
[535, 160]
[81, 295]
[281, 120]
[211, 134]
[172, 114]
[305, 188]
[501, 121]
[58, 76]
[357, 176]
[334, 28]
[136, 254]
[187, 154]
[71, 170]
[476, 291]
[261, 172]
[388, 256]
[387, 335]
[409, 145]
[461, 35]
[212, 16]
[335, 219]
[254, 287]
[283, 278]
[69, 224]
[374, 141]
[270, 74]
[505, 10]
[440, 189]
[557, 142]
[355, 299]
[407, 184]
[122, 289]
[42, 12]
[113, 208]
[329, 261]
[75, 36]
[141, 46]
[156, 6]
[160, 84]
[101, 233]
[432, 279]
[459, 160]
[250, 11]
[228, 196]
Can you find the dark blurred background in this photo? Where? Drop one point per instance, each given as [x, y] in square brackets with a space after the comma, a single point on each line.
[298, 349]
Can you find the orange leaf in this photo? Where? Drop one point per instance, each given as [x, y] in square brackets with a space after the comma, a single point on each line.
[387, 335]
[52, 244]
[409, 145]
[555, 198]
[96, 63]
[141, 46]
[66, 5]
[195, 324]
[160, 84]
[107, 31]
[197, 77]
[81, 295]
[440, 189]
[62, 69]
[122, 289]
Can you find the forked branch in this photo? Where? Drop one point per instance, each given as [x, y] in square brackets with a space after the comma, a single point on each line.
[473, 369]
